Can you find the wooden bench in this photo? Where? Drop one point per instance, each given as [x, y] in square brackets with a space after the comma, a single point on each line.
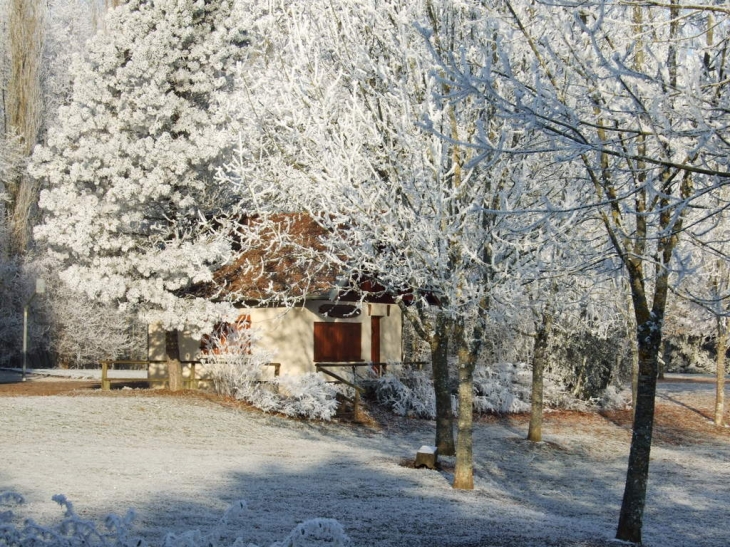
[106, 380]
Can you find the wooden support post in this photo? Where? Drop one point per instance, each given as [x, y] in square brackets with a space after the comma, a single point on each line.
[174, 367]
[105, 383]
[193, 379]
[356, 416]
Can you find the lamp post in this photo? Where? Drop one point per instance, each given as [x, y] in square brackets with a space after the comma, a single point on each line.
[40, 288]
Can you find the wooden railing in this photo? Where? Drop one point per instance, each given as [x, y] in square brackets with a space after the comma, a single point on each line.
[377, 368]
[192, 382]
[106, 381]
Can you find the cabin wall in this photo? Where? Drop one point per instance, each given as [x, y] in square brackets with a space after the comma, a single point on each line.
[287, 336]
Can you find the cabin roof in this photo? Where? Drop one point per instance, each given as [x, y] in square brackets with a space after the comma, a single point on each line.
[279, 257]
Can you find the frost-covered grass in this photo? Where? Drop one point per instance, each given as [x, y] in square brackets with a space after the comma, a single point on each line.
[180, 462]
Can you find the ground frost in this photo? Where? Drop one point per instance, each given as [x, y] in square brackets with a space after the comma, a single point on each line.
[180, 463]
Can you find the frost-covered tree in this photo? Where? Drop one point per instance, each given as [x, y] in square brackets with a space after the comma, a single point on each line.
[37, 43]
[130, 204]
[69, 25]
[633, 98]
[703, 287]
[85, 331]
[343, 141]
[22, 108]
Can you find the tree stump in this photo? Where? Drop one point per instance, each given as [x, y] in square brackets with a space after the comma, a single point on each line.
[427, 456]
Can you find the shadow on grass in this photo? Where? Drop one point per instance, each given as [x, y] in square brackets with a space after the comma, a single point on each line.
[187, 471]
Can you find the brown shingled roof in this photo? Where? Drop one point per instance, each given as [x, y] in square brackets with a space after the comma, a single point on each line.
[282, 256]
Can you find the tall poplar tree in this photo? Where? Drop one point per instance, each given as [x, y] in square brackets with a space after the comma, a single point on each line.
[23, 111]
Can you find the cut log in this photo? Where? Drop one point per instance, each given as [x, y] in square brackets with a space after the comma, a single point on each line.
[427, 456]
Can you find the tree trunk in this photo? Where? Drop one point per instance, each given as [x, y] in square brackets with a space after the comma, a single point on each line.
[632, 507]
[464, 472]
[439, 343]
[539, 360]
[634, 374]
[25, 105]
[174, 367]
[722, 336]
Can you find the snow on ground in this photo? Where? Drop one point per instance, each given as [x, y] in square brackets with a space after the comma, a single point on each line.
[180, 461]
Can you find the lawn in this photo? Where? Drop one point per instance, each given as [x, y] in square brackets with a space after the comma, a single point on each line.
[180, 460]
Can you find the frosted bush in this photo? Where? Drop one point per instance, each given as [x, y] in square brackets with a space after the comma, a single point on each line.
[74, 531]
[307, 395]
[409, 393]
[239, 370]
[686, 353]
[503, 388]
[615, 398]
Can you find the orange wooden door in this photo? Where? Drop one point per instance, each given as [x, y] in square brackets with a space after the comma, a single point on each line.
[375, 343]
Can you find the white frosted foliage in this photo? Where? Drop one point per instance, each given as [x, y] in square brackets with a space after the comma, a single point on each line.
[130, 199]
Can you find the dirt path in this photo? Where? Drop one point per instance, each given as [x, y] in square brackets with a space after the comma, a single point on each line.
[11, 385]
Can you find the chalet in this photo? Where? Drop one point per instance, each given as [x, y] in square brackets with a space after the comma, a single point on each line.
[302, 311]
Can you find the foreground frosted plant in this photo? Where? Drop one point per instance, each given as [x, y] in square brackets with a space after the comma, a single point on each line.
[73, 531]
[316, 532]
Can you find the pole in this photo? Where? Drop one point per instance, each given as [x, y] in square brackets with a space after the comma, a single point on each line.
[40, 288]
[25, 335]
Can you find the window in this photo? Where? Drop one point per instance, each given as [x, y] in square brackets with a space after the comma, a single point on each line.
[337, 342]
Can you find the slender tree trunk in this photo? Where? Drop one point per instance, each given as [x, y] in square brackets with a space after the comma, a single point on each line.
[722, 337]
[634, 354]
[439, 343]
[468, 352]
[464, 471]
[539, 360]
[174, 367]
[632, 507]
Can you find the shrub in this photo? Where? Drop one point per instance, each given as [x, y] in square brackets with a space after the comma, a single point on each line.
[239, 370]
[408, 393]
[504, 388]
